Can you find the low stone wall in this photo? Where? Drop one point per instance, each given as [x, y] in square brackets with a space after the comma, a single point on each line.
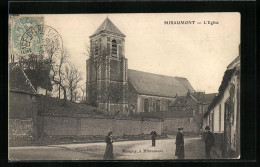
[20, 131]
[80, 126]
[170, 126]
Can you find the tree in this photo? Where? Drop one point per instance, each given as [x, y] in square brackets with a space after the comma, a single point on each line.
[83, 92]
[73, 76]
[114, 93]
[58, 72]
[76, 96]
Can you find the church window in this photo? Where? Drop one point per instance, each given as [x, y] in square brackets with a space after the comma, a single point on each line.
[146, 105]
[157, 105]
[114, 48]
[96, 48]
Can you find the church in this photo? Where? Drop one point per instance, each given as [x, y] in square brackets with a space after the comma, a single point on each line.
[114, 88]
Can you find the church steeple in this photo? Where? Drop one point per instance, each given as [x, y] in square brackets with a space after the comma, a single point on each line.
[109, 27]
[107, 69]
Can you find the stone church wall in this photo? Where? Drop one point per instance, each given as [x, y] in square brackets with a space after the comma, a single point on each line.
[164, 103]
[132, 99]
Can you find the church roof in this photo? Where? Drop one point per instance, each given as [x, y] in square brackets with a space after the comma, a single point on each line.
[158, 85]
[108, 26]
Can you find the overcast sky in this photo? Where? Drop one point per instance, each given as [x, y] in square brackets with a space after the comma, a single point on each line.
[198, 52]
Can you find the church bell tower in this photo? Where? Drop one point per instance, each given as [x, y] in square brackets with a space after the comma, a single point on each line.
[106, 78]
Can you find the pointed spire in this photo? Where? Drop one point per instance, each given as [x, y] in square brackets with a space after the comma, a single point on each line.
[108, 26]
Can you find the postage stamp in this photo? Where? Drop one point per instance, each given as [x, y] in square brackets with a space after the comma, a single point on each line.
[19, 25]
[29, 35]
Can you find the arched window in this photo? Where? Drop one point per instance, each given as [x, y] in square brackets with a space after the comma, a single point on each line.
[114, 48]
[146, 105]
[157, 105]
[96, 48]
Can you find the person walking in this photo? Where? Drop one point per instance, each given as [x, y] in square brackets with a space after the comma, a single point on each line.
[109, 147]
[179, 152]
[153, 135]
[209, 141]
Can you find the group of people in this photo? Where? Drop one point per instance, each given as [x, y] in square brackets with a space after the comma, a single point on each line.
[179, 152]
[208, 139]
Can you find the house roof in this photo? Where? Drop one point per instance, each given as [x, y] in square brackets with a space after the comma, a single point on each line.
[158, 85]
[166, 114]
[18, 80]
[226, 78]
[186, 101]
[108, 26]
[234, 63]
[204, 98]
[193, 99]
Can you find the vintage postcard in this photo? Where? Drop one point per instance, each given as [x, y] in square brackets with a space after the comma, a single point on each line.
[139, 86]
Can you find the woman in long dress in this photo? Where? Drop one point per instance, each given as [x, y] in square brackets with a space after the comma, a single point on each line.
[109, 148]
[179, 152]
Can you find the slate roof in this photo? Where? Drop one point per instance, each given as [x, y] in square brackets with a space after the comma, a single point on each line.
[231, 69]
[204, 98]
[108, 26]
[226, 78]
[184, 101]
[158, 85]
[166, 114]
[193, 99]
[18, 81]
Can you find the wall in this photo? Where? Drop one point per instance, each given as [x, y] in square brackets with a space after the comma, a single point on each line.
[218, 145]
[164, 103]
[22, 113]
[20, 131]
[219, 128]
[132, 98]
[170, 125]
[21, 105]
[73, 126]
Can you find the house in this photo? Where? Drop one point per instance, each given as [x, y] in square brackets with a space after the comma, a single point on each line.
[223, 114]
[197, 101]
[113, 87]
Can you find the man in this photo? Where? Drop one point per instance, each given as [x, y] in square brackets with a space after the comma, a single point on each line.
[179, 152]
[153, 135]
[209, 141]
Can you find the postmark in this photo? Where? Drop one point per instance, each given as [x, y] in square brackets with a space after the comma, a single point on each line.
[29, 35]
[41, 40]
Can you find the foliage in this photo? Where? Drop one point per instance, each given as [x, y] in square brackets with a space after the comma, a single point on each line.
[36, 68]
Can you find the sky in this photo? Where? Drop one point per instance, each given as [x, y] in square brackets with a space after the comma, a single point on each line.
[198, 52]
